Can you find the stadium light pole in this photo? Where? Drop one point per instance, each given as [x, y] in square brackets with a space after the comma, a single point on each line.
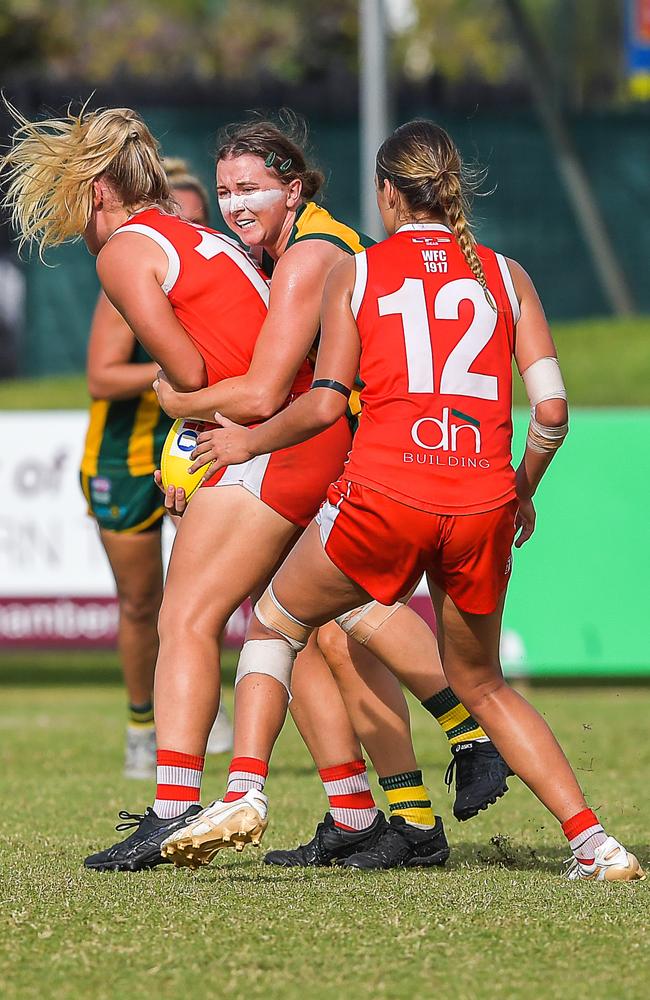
[373, 105]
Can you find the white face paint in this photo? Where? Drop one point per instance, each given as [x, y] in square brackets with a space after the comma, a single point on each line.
[255, 201]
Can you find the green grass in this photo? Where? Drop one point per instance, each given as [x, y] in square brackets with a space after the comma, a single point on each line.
[55, 392]
[498, 922]
[606, 362]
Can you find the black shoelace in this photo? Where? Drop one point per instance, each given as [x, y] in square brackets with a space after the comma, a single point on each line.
[449, 774]
[136, 819]
[465, 775]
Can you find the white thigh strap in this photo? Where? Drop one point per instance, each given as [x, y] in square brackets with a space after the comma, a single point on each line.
[362, 623]
[271, 614]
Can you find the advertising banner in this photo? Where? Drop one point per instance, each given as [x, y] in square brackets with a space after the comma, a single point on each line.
[576, 604]
[56, 588]
[637, 47]
[578, 600]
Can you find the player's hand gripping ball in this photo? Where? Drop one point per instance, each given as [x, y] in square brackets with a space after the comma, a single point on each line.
[175, 459]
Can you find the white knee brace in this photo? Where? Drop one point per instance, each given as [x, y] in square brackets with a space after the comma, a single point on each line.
[274, 657]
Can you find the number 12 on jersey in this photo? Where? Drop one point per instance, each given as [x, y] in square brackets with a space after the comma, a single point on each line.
[409, 302]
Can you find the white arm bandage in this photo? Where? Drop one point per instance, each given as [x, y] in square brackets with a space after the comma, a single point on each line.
[543, 380]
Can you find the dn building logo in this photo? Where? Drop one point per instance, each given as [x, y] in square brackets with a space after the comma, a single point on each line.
[442, 435]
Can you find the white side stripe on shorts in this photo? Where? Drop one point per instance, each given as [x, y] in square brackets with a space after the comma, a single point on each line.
[249, 474]
[325, 519]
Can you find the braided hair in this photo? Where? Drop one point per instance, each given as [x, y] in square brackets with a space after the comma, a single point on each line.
[422, 161]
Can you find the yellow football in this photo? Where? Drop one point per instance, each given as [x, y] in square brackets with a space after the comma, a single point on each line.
[175, 459]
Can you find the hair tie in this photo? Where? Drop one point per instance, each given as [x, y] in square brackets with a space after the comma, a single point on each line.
[133, 134]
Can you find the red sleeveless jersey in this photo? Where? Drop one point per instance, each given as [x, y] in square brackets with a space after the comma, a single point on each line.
[436, 361]
[217, 292]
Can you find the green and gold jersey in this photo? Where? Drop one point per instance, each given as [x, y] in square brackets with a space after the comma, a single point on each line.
[125, 435]
[313, 222]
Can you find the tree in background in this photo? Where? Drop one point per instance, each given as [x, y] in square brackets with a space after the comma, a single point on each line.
[294, 40]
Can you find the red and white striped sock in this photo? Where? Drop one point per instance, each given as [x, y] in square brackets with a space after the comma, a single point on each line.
[585, 834]
[245, 773]
[179, 782]
[348, 790]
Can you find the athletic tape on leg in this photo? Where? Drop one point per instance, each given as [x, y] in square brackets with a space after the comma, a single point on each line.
[362, 623]
[271, 614]
[273, 657]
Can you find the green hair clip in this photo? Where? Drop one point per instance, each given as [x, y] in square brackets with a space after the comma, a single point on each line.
[283, 167]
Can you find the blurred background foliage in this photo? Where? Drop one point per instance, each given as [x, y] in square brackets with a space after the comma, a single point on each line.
[297, 40]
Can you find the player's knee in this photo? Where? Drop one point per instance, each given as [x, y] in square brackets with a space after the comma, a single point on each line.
[362, 623]
[333, 644]
[140, 607]
[277, 620]
[479, 698]
[273, 641]
[269, 657]
[180, 619]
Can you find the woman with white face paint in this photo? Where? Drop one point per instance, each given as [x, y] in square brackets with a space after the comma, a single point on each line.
[264, 187]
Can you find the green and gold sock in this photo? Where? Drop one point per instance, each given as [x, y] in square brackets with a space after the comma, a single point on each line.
[141, 716]
[408, 797]
[453, 717]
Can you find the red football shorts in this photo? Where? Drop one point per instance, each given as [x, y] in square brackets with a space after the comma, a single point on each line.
[293, 481]
[385, 546]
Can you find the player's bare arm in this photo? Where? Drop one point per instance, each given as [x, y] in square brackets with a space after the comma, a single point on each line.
[286, 338]
[336, 368]
[536, 359]
[132, 269]
[111, 373]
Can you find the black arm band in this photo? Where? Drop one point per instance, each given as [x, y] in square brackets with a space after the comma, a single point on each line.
[330, 383]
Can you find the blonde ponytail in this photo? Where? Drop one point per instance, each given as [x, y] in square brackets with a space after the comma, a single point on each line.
[51, 165]
[422, 161]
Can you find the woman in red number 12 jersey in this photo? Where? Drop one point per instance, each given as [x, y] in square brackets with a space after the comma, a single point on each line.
[431, 321]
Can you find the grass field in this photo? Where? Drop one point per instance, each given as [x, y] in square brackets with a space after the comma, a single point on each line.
[498, 922]
[605, 362]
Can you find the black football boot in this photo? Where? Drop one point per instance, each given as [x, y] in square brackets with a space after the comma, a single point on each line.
[481, 774]
[329, 845]
[141, 849]
[403, 846]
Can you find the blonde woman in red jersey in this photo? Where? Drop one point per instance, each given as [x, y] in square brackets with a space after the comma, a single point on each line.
[125, 423]
[176, 285]
[196, 302]
[431, 321]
